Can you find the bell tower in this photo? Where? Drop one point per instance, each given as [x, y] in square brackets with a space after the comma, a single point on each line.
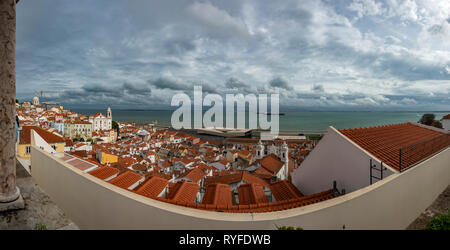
[108, 113]
[259, 150]
[284, 152]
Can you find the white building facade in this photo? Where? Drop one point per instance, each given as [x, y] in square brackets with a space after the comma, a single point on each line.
[446, 122]
[101, 122]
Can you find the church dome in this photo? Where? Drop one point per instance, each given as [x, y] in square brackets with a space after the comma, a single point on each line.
[35, 100]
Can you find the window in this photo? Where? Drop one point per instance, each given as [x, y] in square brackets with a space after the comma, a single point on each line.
[28, 150]
[54, 147]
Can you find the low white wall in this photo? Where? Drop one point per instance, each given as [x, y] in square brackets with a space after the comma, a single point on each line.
[392, 203]
[335, 158]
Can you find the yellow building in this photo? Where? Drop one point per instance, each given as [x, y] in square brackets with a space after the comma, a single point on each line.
[103, 156]
[24, 142]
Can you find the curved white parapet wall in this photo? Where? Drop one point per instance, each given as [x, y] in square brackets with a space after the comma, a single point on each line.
[91, 203]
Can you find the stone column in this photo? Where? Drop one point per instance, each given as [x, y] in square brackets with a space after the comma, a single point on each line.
[10, 197]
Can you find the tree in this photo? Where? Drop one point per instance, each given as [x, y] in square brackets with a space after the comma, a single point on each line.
[436, 124]
[427, 119]
[115, 126]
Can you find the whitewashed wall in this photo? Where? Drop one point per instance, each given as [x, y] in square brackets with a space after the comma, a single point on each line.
[392, 203]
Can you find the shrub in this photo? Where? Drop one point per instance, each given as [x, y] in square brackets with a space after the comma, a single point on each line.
[440, 222]
[41, 226]
[288, 228]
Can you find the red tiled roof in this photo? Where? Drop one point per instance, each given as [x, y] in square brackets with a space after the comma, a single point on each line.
[446, 117]
[251, 194]
[284, 190]
[152, 187]
[97, 115]
[126, 161]
[126, 180]
[69, 142]
[81, 153]
[262, 207]
[233, 178]
[25, 135]
[384, 142]
[272, 164]
[139, 167]
[218, 194]
[104, 172]
[183, 192]
[156, 173]
[195, 175]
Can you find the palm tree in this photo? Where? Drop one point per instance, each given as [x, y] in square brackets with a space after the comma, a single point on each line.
[9, 193]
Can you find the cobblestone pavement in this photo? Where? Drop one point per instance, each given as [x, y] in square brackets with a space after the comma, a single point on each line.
[439, 206]
[39, 208]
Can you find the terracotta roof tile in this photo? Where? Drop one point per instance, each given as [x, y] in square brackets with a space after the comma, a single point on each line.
[183, 192]
[236, 177]
[25, 135]
[152, 187]
[251, 194]
[126, 179]
[284, 190]
[195, 175]
[218, 194]
[271, 163]
[384, 142]
[104, 172]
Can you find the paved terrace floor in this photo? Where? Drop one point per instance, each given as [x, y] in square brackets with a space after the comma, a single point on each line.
[39, 208]
[439, 206]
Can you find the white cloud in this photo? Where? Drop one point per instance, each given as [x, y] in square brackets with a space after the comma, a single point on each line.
[381, 60]
[408, 101]
[367, 8]
[210, 15]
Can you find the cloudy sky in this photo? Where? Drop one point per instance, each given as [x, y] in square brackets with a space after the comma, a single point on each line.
[327, 55]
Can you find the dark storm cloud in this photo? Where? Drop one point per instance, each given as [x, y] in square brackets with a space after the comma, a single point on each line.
[187, 86]
[318, 88]
[105, 51]
[163, 83]
[126, 93]
[279, 82]
[233, 82]
[137, 89]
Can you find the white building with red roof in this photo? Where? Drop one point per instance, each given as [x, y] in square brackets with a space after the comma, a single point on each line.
[446, 122]
[356, 158]
[101, 122]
